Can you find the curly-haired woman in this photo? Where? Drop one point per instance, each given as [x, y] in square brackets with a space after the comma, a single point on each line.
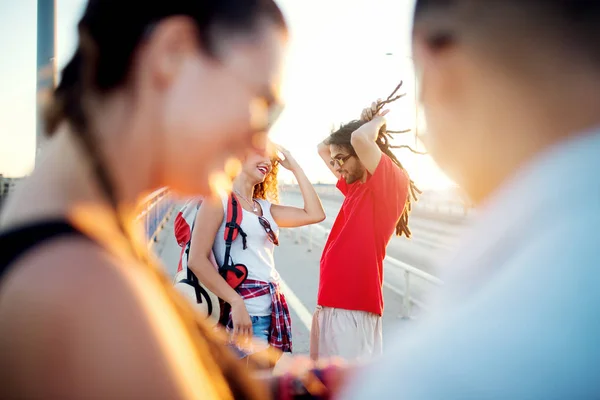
[258, 308]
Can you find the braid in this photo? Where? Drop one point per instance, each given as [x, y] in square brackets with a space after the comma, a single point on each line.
[343, 135]
[68, 105]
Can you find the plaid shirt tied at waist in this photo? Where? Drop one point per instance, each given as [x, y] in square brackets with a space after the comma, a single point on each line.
[280, 336]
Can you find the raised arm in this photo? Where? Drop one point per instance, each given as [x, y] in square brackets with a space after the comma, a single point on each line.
[363, 139]
[208, 220]
[325, 154]
[312, 212]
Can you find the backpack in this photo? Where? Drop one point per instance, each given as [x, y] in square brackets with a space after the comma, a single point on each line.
[206, 302]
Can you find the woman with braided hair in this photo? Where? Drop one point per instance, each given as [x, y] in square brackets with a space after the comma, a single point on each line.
[378, 192]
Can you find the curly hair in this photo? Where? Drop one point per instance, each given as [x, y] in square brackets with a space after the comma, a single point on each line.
[269, 188]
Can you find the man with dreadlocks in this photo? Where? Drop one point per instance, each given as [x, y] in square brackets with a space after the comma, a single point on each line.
[347, 322]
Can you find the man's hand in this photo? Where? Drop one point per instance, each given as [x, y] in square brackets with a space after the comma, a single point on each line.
[370, 130]
[370, 112]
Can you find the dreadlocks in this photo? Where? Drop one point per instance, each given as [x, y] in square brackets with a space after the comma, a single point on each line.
[343, 136]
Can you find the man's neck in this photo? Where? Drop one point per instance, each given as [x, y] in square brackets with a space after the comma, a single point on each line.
[364, 177]
[545, 117]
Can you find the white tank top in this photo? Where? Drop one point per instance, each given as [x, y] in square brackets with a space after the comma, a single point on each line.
[258, 256]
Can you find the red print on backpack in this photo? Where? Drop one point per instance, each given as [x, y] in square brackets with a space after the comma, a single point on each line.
[235, 275]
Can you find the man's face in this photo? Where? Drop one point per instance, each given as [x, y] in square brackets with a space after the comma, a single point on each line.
[472, 111]
[346, 164]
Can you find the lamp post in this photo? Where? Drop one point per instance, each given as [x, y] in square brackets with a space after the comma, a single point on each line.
[46, 63]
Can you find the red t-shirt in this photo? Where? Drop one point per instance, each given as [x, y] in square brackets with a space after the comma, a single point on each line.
[351, 275]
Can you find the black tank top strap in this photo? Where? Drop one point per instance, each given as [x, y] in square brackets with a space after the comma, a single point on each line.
[17, 241]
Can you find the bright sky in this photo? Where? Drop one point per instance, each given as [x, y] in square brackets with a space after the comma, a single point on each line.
[337, 64]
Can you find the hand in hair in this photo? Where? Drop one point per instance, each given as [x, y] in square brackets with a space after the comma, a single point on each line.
[288, 161]
[370, 130]
[383, 142]
[370, 112]
[345, 136]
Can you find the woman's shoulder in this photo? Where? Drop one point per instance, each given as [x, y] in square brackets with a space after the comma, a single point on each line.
[61, 268]
[70, 279]
[265, 203]
[75, 298]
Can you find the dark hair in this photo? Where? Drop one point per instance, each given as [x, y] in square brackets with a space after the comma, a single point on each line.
[573, 25]
[579, 10]
[109, 34]
[343, 137]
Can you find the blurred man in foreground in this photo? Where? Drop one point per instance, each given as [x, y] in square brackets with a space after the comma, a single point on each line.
[511, 92]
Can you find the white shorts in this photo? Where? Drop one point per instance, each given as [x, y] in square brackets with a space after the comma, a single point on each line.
[351, 335]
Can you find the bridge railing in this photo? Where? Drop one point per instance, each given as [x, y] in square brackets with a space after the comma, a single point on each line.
[429, 203]
[317, 234]
[155, 211]
[157, 208]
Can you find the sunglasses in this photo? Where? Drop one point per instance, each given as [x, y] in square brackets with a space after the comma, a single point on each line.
[340, 161]
[267, 227]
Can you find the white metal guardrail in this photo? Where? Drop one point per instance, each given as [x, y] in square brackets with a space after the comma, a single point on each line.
[157, 207]
[155, 211]
[408, 270]
[429, 202]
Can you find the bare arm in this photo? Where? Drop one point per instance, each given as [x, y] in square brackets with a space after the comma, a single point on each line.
[325, 154]
[363, 141]
[88, 326]
[311, 213]
[209, 218]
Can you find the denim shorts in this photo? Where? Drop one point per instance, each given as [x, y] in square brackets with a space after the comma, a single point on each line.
[261, 328]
